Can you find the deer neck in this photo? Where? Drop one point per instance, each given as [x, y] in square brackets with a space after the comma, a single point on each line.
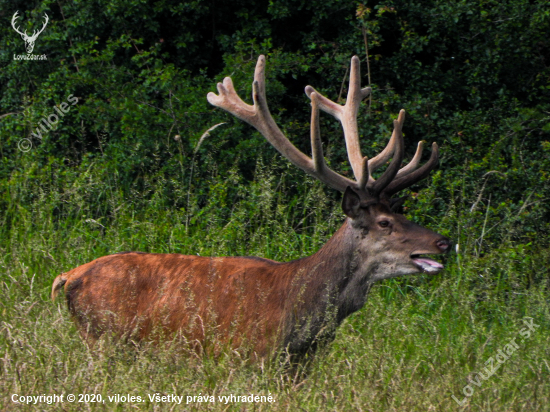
[327, 287]
[343, 270]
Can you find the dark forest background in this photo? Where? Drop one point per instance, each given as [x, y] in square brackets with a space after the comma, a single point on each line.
[126, 169]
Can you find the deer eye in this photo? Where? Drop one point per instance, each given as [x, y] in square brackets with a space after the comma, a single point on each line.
[384, 223]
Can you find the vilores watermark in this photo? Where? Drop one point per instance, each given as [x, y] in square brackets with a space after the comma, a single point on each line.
[48, 123]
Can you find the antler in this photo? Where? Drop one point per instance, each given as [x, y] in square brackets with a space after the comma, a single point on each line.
[25, 35]
[13, 19]
[390, 182]
[258, 115]
[35, 34]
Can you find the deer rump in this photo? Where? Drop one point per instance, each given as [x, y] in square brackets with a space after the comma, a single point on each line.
[258, 303]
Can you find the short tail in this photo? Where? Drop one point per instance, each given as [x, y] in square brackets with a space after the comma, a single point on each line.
[57, 285]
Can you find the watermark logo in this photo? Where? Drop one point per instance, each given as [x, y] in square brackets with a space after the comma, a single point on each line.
[494, 363]
[48, 123]
[29, 40]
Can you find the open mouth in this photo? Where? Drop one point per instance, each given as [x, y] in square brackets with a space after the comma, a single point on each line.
[427, 265]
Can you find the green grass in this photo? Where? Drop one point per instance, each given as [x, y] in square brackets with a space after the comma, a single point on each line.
[418, 340]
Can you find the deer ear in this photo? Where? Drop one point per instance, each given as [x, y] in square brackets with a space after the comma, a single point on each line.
[351, 203]
[395, 204]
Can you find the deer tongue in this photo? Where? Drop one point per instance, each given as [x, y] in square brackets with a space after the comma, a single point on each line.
[428, 265]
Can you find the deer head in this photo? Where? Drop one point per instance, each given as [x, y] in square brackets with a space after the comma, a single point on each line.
[390, 244]
[29, 40]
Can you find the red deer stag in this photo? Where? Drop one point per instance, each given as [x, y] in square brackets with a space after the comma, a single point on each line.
[258, 303]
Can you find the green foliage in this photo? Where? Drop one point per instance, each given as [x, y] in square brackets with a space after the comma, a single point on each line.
[417, 342]
[124, 170]
[463, 71]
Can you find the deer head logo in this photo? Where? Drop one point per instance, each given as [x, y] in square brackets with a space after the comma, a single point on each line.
[29, 40]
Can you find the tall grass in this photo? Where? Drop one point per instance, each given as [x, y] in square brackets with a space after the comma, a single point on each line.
[417, 342]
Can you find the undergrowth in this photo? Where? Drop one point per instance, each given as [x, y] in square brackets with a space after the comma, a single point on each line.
[419, 340]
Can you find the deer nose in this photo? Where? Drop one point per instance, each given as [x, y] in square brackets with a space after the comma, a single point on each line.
[444, 245]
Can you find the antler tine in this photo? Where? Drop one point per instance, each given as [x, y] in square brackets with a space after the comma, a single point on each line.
[259, 77]
[413, 164]
[365, 175]
[347, 115]
[35, 34]
[316, 145]
[326, 105]
[415, 176]
[384, 155]
[378, 185]
[349, 119]
[13, 19]
[259, 117]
